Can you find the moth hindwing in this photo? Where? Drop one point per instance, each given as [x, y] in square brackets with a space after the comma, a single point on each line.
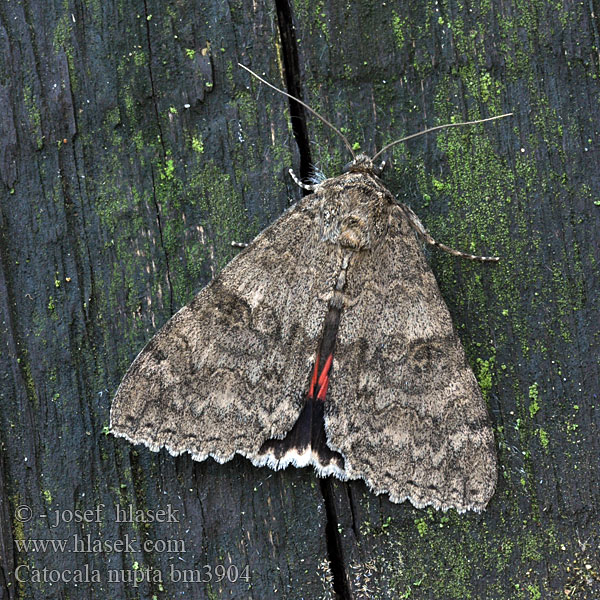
[326, 342]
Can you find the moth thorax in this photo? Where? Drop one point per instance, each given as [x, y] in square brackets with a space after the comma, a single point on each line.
[354, 232]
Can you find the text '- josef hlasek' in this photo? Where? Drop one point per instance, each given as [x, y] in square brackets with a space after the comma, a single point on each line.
[122, 514]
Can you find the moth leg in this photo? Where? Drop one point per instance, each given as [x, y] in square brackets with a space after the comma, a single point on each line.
[416, 224]
[239, 244]
[380, 168]
[304, 186]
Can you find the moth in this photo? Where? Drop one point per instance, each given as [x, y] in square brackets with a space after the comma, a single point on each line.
[325, 342]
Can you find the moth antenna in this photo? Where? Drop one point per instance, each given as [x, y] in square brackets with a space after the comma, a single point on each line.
[239, 244]
[314, 112]
[414, 135]
[304, 186]
[416, 224]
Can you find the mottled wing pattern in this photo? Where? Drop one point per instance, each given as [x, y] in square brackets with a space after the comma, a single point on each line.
[230, 369]
[404, 407]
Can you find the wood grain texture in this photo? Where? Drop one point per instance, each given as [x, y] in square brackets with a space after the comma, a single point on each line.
[137, 210]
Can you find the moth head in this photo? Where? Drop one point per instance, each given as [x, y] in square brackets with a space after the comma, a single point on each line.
[363, 164]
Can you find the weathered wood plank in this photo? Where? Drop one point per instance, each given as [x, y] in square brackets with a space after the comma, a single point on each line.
[118, 201]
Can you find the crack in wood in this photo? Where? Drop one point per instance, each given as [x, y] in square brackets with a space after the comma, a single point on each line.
[335, 551]
[293, 82]
[341, 583]
[162, 143]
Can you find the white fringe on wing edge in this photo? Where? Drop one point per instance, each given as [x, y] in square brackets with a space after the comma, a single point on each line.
[298, 460]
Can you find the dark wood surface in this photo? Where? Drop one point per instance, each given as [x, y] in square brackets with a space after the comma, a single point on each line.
[133, 150]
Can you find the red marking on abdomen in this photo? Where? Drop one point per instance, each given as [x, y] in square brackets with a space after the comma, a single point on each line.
[320, 381]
